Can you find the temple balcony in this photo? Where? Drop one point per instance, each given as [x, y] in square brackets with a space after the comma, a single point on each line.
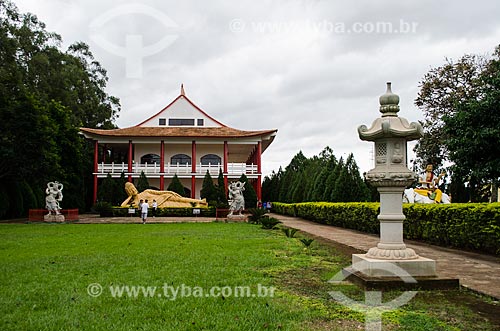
[152, 170]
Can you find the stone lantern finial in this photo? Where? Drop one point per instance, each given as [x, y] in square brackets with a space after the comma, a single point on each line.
[389, 102]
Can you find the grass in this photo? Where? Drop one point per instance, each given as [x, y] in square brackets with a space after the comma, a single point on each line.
[45, 271]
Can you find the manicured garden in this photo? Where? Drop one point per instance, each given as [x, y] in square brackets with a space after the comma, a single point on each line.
[46, 270]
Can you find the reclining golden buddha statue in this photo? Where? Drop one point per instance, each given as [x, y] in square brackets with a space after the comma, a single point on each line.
[163, 198]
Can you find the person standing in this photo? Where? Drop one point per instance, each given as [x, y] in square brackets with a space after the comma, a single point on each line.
[155, 206]
[139, 209]
[144, 211]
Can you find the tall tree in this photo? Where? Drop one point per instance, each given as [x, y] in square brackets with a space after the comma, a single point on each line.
[45, 95]
[441, 89]
[107, 190]
[208, 190]
[249, 194]
[176, 186]
[142, 182]
[460, 105]
[221, 191]
[473, 133]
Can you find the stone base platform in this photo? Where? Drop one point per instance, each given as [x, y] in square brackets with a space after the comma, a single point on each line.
[54, 218]
[396, 283]
[237, 218]
[375, 274]
[419, 267]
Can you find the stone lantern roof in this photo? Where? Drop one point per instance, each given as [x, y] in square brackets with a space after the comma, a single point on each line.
[389, 125]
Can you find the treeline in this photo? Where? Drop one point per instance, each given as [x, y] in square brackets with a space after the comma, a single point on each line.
[322, 177]
[46, 94]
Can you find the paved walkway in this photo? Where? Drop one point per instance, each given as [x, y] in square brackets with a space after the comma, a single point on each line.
[478, 272]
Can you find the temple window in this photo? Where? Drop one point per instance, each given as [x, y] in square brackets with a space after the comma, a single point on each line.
[210, 159]
[180, 159]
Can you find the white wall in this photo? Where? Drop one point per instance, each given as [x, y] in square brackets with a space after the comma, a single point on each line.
[173, 149]
[181, 109]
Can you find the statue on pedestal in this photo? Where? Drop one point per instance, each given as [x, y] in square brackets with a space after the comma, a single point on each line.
[54, 196]
[236, 195]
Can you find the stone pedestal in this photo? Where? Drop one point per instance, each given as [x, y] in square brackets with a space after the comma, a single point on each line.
[401, 269]
[237, 218]
[53, 218]
[391, 217]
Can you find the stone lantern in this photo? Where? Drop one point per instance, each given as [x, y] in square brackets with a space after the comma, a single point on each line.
[391, 176]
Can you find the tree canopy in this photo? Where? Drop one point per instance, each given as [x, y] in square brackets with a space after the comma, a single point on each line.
[461, 105]
[46, 94]
[319, 178]
[176, 186]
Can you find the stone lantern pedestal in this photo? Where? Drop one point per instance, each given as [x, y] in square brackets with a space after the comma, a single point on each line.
[390, 133]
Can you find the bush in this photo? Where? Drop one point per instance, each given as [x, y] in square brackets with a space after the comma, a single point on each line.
[473, 226]
[169, 212]
[255, 215]
[269, 223]
[289, 232]
[105, 209]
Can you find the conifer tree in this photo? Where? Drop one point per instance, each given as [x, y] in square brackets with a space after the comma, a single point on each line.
[208, 190]
[343, 186]
[176, 186]
[331, 193]
[221, 191]
[249, 193]
[120, 193]
[142, 183]
[107, 190]
[359, 190]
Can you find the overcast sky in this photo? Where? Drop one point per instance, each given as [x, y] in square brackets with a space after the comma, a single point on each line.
[311, 69]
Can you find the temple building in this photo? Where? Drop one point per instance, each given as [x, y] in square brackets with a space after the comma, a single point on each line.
[180, 139]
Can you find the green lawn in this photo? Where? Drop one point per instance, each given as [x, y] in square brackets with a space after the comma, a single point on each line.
[45, 271]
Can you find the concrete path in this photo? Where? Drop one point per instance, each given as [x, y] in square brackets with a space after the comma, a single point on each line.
[480, 273]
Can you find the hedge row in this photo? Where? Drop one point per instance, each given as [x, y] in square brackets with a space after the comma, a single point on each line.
[168, 212]
[474, 226]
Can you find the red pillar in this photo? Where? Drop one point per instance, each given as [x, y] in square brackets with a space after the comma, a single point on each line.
[193, 169]
[130, 160]
[162, 165]
[259, 171]
[96, 155]
[226, 155]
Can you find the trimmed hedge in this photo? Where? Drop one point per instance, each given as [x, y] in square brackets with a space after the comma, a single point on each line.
[473, 226]
[168, 212]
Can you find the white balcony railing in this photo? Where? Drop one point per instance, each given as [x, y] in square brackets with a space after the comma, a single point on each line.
[179, 169]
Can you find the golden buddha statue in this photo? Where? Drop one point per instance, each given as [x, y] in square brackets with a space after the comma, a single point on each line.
[163, 198]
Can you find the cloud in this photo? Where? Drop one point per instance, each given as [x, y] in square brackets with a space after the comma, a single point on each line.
[298, 66]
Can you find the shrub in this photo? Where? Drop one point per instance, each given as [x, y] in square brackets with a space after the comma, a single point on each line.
[306, 241]
[170, 212]
[269, 223]
[255, 215]
[289, 232]
[104, 208]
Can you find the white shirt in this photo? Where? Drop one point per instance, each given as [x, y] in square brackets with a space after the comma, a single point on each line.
[144, 208]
